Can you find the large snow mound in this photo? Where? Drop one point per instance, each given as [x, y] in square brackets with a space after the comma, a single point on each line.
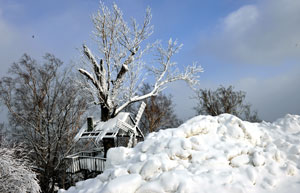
[206, 154]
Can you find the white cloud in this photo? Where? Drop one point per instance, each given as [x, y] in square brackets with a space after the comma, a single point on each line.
[264, 33]
[275, 96]
[241, 20]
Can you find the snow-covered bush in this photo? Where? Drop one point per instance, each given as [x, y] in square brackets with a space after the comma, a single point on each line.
[16, 174]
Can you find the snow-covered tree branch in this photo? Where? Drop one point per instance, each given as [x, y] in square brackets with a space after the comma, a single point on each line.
[16, 174]
[121, 69]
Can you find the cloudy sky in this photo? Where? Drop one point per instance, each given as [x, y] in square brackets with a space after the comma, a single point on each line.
[253, 45]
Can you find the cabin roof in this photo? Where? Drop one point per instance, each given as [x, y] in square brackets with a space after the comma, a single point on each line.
[109, 126]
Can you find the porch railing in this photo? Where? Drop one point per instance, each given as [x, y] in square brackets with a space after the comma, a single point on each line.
[91, 161]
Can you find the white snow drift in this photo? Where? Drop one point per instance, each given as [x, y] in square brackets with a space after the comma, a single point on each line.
[206, 154]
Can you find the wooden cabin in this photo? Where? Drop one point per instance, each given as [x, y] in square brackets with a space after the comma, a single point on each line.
[121, 130]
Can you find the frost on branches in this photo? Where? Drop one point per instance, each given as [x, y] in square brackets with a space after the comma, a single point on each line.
[115, 76]
[16, 174]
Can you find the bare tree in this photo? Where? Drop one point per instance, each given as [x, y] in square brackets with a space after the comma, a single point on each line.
[16, 173]
[224, 100]
[159, 112]
[45, 111]
[115, 76]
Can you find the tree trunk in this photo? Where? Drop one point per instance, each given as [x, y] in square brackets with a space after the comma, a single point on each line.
[105, 113]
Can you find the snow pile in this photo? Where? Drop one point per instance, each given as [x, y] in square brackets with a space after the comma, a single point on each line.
[206, 154]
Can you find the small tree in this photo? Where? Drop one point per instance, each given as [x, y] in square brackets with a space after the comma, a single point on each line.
[159, 112]
[119, 71]
[224, 100]
[45, 112]
[16, 174]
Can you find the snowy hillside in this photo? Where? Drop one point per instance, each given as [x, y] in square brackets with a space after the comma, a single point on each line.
[206, 154]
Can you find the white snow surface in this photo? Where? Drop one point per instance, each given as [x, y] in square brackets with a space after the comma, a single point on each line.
[221, 154]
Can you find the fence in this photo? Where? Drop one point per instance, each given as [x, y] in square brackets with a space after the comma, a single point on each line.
[85, 160]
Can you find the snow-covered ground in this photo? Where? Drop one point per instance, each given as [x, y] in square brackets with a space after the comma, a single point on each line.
[206, 154]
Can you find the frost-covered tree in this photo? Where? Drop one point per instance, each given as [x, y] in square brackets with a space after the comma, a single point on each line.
[118, 71]
[16, 174]
[45, 111]
[224, 100]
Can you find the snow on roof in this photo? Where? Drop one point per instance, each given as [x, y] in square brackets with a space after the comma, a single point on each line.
[219, 154]
[110, 125]
[105, 127]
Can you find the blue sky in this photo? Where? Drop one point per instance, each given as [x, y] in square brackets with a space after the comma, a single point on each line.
[253, 45]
